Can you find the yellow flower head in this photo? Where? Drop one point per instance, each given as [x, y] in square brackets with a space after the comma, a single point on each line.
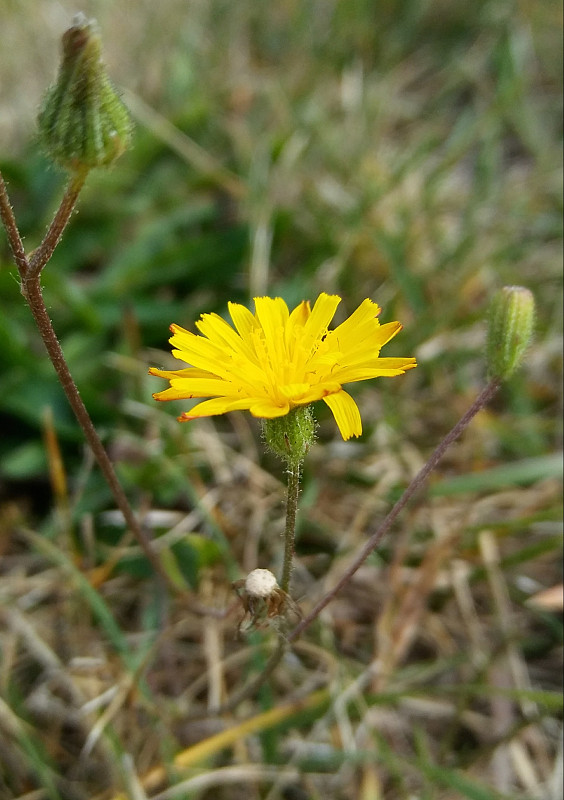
[275, 360]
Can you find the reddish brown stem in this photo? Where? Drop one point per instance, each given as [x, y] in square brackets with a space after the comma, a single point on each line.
[484, 397]
[41, 256]
[31, 290]
[14, 238]
[30, 270]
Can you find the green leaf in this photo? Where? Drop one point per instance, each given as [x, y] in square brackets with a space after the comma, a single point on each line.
[521, 473]
[187, 561]
[464, 786]
[25, 461]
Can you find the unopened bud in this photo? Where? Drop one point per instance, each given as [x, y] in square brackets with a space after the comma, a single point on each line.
[82, 122]
[511, 321]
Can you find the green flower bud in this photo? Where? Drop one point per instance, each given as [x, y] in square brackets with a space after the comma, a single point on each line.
[511, 321]
[291, 436]
[82, 122]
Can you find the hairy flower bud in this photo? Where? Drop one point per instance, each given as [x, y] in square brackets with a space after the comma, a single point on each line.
[511, 322]
[82, 121]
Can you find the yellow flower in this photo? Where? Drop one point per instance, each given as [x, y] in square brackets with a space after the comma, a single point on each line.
[275, 360]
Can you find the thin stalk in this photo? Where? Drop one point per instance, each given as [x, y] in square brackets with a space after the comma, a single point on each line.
[483, 398]
[29, 270]
[34, 297]
[14, 238]
[294, 471]
[60, 221]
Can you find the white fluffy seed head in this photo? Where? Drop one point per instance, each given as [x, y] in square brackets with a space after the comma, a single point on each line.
[260, 583]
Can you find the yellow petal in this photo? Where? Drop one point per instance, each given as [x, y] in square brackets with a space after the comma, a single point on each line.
[189, 372]
[203, 354]
[218, 405]
[180, 330]
[205, 387]
[366, 313]
[300, 314]
[243, 319]
[217, 330]
[294, 391]
[220, 332]
[376, 368]
[293, 334]
[272, 314]
[318, 392]
[387, 332]
[268, 409]
[346, 413]
[321, 315]
[401, 364]
[169, 394]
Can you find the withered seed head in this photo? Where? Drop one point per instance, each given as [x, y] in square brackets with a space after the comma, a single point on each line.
[260, 583]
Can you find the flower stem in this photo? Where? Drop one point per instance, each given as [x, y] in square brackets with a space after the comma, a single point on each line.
[34, 297]
[289, 437]
[483, 398]
[41, 256]
[29, 269]
[14, 238]
[294, 472]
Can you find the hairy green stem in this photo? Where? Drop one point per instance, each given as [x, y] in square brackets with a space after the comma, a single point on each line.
[294, 472]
